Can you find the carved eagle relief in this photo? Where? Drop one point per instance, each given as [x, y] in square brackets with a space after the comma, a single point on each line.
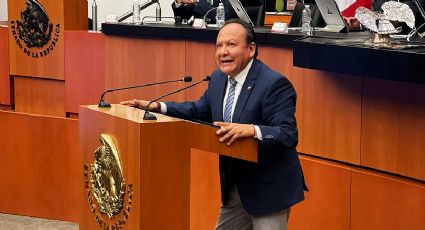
[107, 181]
[34, 28]
[380, 22]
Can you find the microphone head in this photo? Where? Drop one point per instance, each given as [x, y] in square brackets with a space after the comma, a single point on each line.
[187, 79]
[207, 78]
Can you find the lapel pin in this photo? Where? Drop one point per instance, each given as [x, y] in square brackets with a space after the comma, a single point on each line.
[249, 88]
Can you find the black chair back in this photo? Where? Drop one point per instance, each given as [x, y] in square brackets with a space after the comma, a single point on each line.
[256, 14]
[316, 17]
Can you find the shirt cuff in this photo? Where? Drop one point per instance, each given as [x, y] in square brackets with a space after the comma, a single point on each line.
[163, 109]
[258, 133]
[176, 4]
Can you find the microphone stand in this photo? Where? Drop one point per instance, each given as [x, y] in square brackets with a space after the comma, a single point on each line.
[104, 104]
[150, 116]
[142, 7]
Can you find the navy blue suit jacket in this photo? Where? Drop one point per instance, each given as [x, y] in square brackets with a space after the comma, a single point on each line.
[267, 99]
[201, 8]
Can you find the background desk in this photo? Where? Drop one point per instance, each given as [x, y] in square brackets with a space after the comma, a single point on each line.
[361, 139]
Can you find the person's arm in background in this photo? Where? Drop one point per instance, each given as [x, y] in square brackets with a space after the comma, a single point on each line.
[202, 8]
[290, 4]
[352, 23]
[184, 8]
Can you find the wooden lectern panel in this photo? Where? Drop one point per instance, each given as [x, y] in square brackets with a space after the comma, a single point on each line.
[36, 50]
[4, 67]
[39, 96]
[156, 161]
[204, 190]
[40, 166]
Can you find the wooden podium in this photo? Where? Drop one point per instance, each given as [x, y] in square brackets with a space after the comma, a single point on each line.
[162, 177]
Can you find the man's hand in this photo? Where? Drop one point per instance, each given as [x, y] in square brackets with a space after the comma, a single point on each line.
[290, 4]
[231, 132]
[141, 104]
[352, 23]
[188, 2]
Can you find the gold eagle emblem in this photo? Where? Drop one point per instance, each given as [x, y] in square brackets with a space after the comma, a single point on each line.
[106, 177]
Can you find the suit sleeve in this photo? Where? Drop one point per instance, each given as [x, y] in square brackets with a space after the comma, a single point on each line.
[280, 127]
[199, 110]
[202, 7]
[183, 11]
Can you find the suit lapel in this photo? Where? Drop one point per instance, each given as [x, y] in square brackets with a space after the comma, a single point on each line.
[246, 90]
[221, 91]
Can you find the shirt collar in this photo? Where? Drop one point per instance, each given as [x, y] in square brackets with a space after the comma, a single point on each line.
[240, 77]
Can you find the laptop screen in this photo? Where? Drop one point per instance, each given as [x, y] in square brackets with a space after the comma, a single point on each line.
[331, 14]
[240, 11]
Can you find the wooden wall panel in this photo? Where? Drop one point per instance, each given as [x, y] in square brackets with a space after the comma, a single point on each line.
[134, 61]
[327, 204]
[381, 202]
[200, 62]
[46, 66]
[328, 109]
[84, 68]
[331, 118]
[40, 96]
[281, 61]
[75, 14]
[40, 166]
[5, 97]
[264, 54]
[393, 127]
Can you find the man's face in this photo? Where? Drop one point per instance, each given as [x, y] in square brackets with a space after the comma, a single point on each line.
[232, 54]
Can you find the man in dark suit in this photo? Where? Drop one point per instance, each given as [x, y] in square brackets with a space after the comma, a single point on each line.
[249, 100]
[200, 8]
[188, 8]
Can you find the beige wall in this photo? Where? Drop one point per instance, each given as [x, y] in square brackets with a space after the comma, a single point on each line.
[119, 7]
[3, 10]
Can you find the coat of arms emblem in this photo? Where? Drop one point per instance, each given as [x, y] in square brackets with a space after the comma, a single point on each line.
[34, 28]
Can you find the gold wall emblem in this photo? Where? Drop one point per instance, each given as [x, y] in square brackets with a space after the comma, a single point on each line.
[105, 184]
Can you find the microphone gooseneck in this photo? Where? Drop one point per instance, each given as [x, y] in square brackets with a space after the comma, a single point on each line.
[150, 116]
[104, 104]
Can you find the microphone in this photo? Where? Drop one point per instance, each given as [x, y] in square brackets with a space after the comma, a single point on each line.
[104, 104]
[150, 116]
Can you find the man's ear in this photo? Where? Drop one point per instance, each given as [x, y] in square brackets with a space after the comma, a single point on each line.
[252, 47]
